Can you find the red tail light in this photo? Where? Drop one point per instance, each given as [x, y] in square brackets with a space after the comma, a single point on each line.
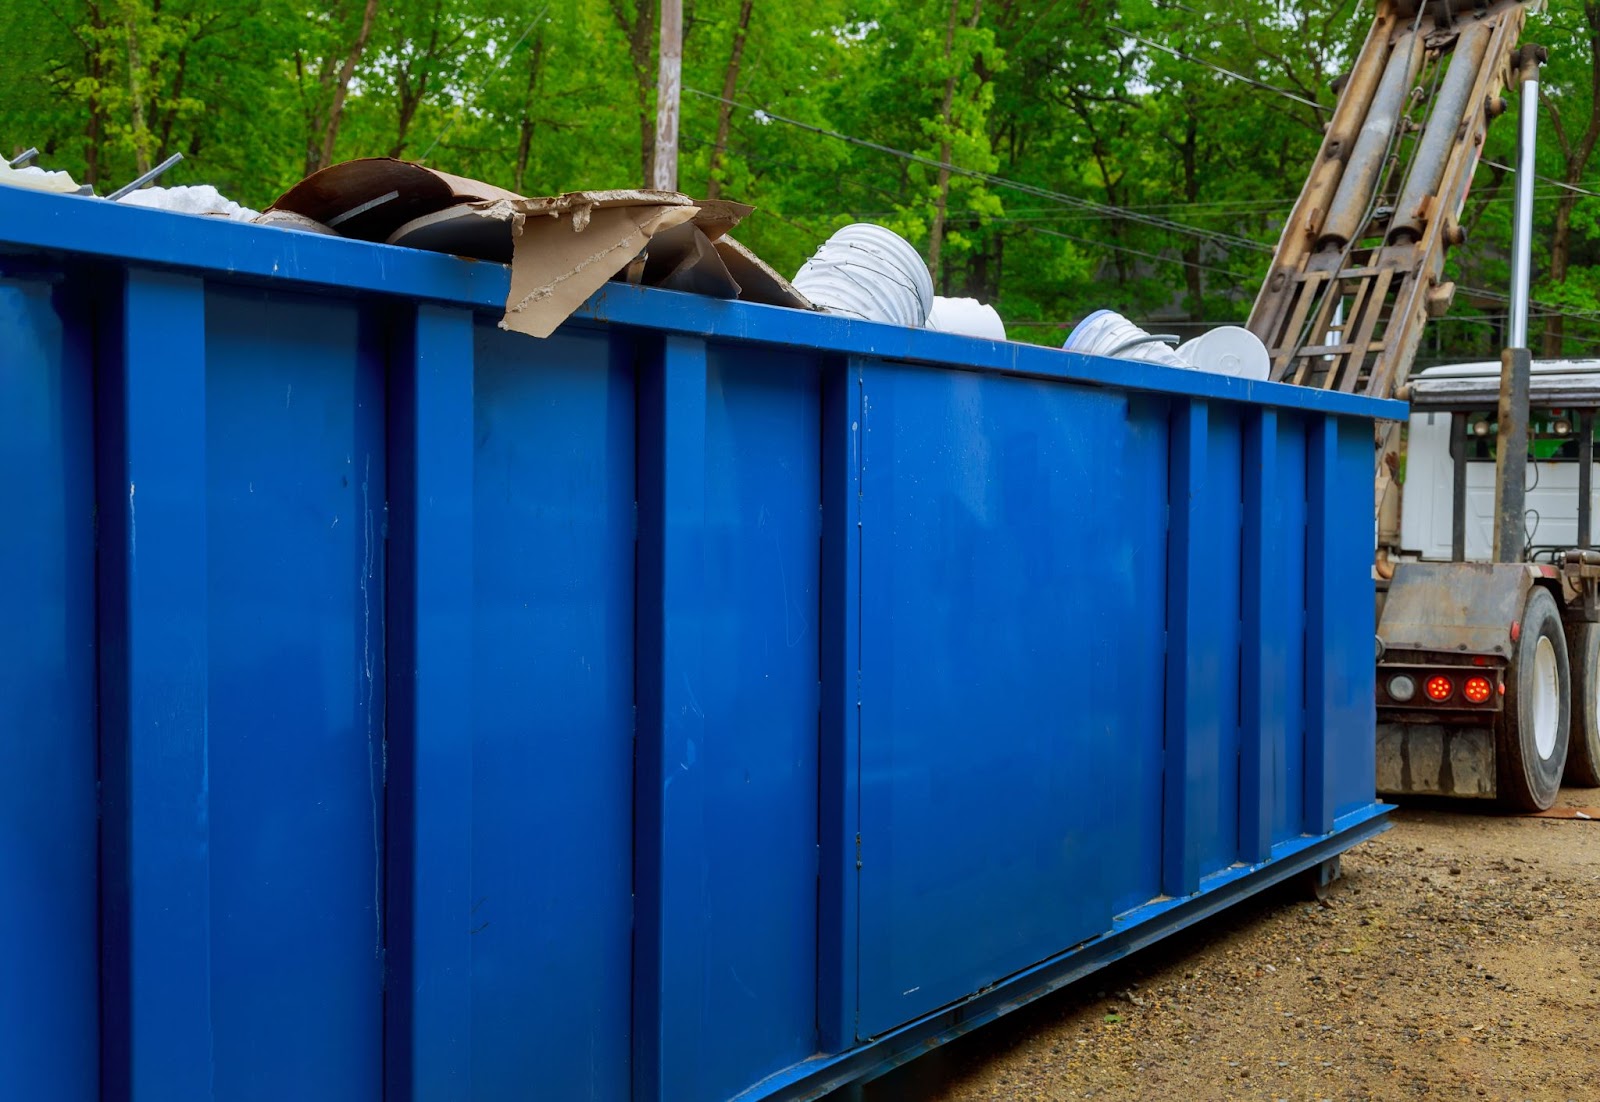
[1477, 689]
[1440, 688]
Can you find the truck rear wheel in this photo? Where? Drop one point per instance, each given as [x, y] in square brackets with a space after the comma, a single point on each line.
[1583, 750]
[1532, 733]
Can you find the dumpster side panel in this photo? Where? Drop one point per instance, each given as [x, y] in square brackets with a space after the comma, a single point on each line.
[983, 543]
[727, 838]
[1217, 590]
[294, 468]
[49, 942]
[1352, 625]
[1286, 583]
[156, 1018]
[1130, 664]
[758, 903]
[708, 701]
[428, 654]
[552, 728]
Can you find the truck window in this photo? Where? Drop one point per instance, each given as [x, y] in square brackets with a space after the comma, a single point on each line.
[1552, 435]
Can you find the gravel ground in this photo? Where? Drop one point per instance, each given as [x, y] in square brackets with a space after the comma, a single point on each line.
[1458, 958]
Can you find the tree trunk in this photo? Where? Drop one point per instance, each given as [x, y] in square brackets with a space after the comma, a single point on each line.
[1560, 258]
[1194, 278]
[318, 157]
[141, 132]
[1577, 163]
[525, 128]
[730, 82]
[412, 82]
[941, 200]
[95, 68]
[640, 27]
[171, 116]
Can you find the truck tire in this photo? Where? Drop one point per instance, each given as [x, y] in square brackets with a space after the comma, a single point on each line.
[1533, 729]
[1583, 748]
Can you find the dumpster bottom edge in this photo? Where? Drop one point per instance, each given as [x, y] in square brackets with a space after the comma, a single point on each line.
[1129, 933]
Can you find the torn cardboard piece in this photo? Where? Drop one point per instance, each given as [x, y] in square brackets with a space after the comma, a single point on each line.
[289, 220]
[561, 248]
[484, 230]
[757, 281]
[371, 198]
[561, 258]
[695, 255]
[684, 259]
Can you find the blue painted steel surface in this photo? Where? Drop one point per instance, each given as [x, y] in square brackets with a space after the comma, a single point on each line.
[709, 701]
[156, 964]
[552, 674]
[986, 744]
[49, 974]
[293, 738]
[428, 1030]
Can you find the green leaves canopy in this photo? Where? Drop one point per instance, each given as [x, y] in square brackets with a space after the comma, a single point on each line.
[1102, 154]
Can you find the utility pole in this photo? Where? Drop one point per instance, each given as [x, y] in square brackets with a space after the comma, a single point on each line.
[669, 87]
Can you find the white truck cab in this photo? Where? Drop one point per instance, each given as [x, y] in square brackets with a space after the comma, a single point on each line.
[1558, 387]
[1489, 660]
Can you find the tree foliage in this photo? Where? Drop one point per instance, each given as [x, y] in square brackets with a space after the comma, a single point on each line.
[1051, 156]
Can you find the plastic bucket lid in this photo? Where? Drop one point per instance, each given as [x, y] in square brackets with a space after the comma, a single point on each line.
[1228, 350]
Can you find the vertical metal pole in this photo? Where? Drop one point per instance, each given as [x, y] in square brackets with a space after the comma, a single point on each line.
[1522, 234]
[1511, 463]
[1585, 424]
[669, 87]
[1458, 487]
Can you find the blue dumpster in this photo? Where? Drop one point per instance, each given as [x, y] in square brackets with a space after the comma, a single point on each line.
[711, 701]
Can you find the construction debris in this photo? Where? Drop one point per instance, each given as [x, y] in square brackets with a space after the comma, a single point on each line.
[192, 199]
[561, 248]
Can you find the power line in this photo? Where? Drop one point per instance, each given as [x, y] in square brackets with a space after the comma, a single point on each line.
[1309, 103]
[1547, 307]
[1587, 342]
[1227, 239]
[1129, 249]
[1180, 55]
[1125, 213]
[1545, 180]
[478, 87]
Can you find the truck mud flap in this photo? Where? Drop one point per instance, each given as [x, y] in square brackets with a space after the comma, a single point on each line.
[1416, 759]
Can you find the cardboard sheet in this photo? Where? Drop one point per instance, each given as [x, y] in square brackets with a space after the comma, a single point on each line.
[758, 282]
[371, 198]
[561, 258]
[561, 248]
[684, 259]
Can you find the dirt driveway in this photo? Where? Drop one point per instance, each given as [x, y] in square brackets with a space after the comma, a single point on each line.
[1459, 958]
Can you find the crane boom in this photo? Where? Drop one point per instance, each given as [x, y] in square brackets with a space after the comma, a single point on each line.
[1357, 270]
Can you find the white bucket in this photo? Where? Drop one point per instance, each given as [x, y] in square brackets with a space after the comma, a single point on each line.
[868, 272]
[967, 316]
[1228, 350]
[1108, 333]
